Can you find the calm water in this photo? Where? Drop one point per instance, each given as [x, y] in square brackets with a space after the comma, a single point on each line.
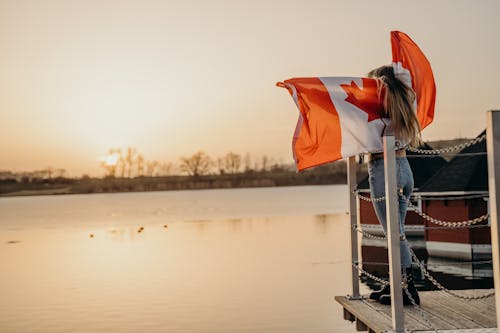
[241, 260]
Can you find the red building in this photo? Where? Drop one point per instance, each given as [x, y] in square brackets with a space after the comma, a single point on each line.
[458, 192]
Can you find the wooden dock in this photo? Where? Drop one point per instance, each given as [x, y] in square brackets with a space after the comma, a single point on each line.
[439, 311]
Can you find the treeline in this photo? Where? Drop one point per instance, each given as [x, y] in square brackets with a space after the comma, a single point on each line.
[131, 163]
[333, 173]
[128, 170]
[34, 176]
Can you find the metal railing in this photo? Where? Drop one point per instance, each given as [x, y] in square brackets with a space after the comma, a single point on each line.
[394, 237]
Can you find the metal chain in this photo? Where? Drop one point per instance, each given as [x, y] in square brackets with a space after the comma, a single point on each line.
[449, 224]
[427, 274]
[371, 276]
[439, 285]
[431, 279]
[403, 284]
[458, 227]
[362, 197]
[379, 199]
[458, 224]
[419, 309]
[452, 155]
[367, 234]
[448, 149]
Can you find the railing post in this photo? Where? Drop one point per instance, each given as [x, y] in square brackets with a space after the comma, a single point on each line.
[393, 234]
[353, 213]
[493, 149]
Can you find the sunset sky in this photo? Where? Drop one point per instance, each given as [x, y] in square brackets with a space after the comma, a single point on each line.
[174, 77]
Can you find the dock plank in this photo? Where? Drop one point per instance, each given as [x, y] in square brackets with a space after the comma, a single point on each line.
[444, 311]
[441, 311]
[375, 320]
[473, 310]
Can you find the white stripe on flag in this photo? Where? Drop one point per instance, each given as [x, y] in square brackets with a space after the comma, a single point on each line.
[358, 135]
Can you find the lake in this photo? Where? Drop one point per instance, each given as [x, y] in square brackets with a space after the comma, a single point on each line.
[237, 260]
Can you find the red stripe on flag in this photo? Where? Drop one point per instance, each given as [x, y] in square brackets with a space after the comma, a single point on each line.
[319, 139]
[405, 51]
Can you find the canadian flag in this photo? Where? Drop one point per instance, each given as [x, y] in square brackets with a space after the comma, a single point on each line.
[341, 116]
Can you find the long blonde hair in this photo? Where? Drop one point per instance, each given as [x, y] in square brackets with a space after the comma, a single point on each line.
[399, 105]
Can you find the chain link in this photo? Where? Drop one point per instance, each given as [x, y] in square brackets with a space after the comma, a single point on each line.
[447, 149]
[355, 191]
[452, 155]
[379, 199]
[458, 227]
[439, 285]
[430, 278]
[367, 234]
[457, 224]
[419, 309]
[404, 287]
[427, 275]
[371, 276]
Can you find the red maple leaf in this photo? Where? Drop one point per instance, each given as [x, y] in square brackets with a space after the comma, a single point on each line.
[365, 99]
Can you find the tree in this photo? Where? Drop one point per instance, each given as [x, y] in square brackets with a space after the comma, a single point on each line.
[220, 165]
[48, 172]
[111, 161]
[232, 162]
[196, 165]
[60, 173]
[131, 158]
[152, 168]
[122, 165]
[264, 163]
[247, 160]
[128, 165]
[139, 162]
[166, 169]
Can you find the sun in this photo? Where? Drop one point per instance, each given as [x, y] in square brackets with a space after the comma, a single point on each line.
[111, 159]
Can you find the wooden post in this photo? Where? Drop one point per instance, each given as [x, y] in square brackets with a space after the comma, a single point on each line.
[493, 149]
[393, 234]
[352, 183]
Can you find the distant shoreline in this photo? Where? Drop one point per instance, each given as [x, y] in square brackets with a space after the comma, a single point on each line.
[324, 175]
[328, 174]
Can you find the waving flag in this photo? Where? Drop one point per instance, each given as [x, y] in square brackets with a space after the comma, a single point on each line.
[341, 116]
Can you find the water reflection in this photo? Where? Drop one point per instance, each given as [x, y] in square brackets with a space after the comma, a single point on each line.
[273, 274]
[451, 273]
[321, 221]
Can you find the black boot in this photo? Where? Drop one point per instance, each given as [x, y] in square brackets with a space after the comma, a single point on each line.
[386, 289]
[386, 299]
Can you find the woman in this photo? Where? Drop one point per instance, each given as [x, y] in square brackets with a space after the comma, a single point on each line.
[399, 101]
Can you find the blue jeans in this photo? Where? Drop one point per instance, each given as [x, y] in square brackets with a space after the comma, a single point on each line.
[404, 178]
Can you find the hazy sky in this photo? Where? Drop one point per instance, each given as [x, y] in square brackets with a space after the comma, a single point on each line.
[175, 77]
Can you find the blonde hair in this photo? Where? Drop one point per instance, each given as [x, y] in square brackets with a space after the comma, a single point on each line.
[399, 105]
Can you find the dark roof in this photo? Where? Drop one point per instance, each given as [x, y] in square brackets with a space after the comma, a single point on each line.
[462, 173]
[423, 168]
